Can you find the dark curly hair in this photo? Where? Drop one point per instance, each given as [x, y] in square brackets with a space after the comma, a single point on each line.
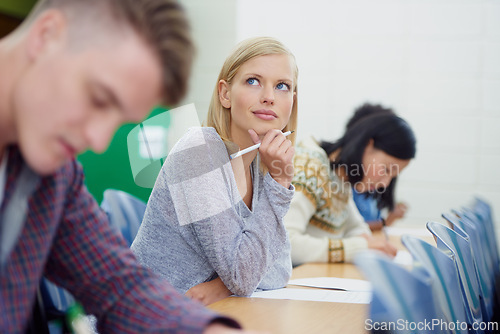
[390, 133]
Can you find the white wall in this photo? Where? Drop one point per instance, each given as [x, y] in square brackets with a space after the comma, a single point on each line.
[214, 30]
[436, 62]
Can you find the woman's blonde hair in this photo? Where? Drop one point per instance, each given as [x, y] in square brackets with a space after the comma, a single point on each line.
[218, 116]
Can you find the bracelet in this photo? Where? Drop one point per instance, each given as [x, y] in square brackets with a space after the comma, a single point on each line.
[382, 220]
[335, 251]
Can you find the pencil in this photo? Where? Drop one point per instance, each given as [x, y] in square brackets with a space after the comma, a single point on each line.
[253, 147]
[384, 229]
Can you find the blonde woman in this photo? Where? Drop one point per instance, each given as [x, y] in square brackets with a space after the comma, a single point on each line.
[214, 226]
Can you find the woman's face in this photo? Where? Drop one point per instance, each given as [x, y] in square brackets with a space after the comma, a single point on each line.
[378, 168]
[260, 95]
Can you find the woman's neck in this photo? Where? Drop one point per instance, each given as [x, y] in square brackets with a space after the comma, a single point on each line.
[243, 141]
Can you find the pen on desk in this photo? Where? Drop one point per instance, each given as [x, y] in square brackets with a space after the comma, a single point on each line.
[253, 147]
[384, 230]
[76, 320]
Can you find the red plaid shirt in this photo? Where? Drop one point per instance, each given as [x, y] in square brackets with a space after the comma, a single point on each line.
[66, 237]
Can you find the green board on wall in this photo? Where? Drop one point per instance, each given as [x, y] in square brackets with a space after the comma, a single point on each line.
[111, 169]
[16, 8]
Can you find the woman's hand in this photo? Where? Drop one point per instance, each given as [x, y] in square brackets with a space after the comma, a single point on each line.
[381, 245]
[398, 212]
[276, 152]
[209, 292]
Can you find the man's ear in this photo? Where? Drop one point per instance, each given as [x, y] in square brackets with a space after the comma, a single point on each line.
[224, 94]
[48, 30]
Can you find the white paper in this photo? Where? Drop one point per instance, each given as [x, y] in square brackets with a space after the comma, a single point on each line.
[403, 258]
[336, 283]
[332, 296]
[415, 231]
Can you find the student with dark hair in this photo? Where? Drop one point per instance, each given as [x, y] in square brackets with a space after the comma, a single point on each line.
[371, 203]
[323, 222]
[70, 75]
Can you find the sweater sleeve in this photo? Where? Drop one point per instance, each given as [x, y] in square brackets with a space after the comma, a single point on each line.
[305, 248]
[279, 273]
[308, 248]
[355, 224]
[355, 227]
[204, 197]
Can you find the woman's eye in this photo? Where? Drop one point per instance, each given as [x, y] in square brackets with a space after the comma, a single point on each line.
[283, 86]
[252, 81]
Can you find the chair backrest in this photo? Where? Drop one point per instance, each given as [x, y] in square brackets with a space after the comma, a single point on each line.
[483, 211]
[480, 216]
[125, 212]
[55, 297]
[398, 294]
[480, 256]
[38, 323]
[453, 243]
[446, 280]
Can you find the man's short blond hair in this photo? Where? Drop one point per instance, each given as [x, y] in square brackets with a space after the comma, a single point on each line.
[162, 24]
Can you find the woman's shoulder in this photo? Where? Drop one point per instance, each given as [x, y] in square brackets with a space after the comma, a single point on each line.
[308, 150]
[196, 136]
[311, 168]
[201, 147]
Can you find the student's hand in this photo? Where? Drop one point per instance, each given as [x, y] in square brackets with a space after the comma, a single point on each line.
[381, 245]
[375, 225]
[276, 152]
[398, 212]
[221, 329]
[209, 292]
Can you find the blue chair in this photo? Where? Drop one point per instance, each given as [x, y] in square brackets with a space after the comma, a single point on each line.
[56, 301]
[483, 211]
[446, 280]
[481, 218]
[480, 256]
[55, 297]
[399, 296]
[125, 212]
[458, 247]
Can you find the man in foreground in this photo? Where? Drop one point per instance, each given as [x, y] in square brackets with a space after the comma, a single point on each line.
[69, 76]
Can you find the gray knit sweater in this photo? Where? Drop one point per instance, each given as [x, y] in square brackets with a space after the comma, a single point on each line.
[197, 227]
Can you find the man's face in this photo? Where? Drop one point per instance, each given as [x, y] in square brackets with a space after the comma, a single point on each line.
[67, 100]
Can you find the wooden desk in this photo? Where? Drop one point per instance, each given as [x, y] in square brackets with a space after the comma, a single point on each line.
[294, 316]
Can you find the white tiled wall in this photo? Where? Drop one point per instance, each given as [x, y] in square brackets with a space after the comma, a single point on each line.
[436, 62]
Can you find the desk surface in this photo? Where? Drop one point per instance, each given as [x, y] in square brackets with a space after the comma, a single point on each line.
[294, 316]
